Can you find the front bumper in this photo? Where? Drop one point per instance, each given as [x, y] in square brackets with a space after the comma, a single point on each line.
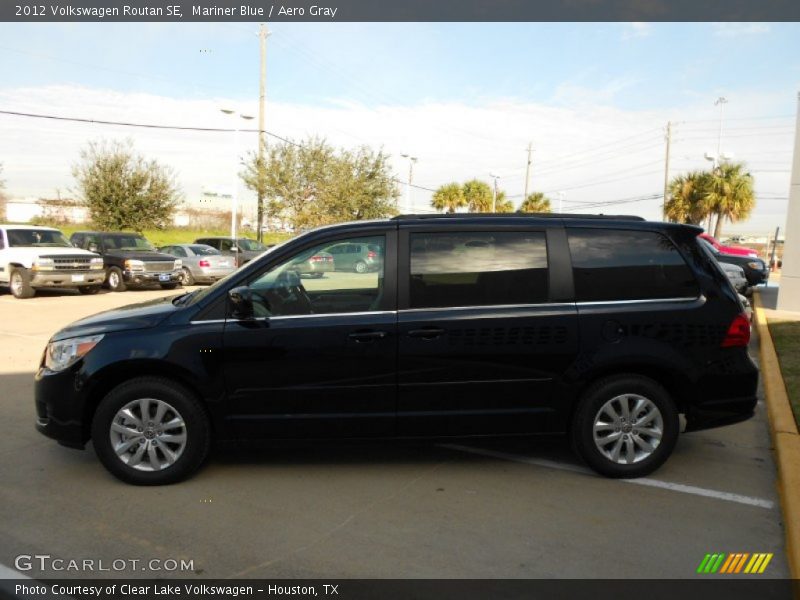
[757, 277]
[59, 407]
[44, 279]
[146, 277]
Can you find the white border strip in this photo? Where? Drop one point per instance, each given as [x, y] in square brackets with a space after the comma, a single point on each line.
[655, 483]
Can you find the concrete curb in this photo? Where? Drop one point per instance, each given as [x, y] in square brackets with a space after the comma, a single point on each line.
[785, 438]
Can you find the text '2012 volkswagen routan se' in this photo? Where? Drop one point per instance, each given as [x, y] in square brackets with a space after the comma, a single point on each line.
[602, 328]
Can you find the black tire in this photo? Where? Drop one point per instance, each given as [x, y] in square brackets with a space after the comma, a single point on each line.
[360, 267]
[88, 290]
[169, 286]
[186, 277]
[604, 390]
[116, 283]
[20, 284]
[197, 430]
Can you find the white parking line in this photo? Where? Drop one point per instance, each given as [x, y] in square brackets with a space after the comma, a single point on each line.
[22, 335]
[655, 483]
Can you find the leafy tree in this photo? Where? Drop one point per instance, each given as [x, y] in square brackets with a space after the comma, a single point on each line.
[729, 192]
[478, 195]
[122, 189]
[449, 197]
[536, 202]
[313, 184]
[688, 199]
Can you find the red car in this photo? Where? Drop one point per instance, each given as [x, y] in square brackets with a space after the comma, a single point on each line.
[737, 250]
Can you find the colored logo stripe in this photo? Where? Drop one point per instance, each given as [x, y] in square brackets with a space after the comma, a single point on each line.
[739, 562]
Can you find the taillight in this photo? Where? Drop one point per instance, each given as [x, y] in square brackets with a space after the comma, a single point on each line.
[204, 263]
[738, 335]
[372, 254]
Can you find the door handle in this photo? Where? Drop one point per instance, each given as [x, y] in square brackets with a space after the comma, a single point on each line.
[361, 337]
[426, 333]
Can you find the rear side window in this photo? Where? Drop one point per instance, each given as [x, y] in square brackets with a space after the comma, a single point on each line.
[477, 269]
[613, 265]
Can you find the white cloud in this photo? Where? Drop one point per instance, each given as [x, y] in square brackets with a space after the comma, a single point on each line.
[592, 151]
[636, 30]
[739, 29]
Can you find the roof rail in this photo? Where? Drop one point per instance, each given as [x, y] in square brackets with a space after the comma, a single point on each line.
[508, 215]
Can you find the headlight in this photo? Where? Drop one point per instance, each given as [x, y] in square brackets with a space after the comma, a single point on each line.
[96, 263]
[43, 264]
[134, 265]
[178, 264]
[756, 264]
[66, 353]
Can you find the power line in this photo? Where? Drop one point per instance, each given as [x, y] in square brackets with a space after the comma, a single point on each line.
[172, 128]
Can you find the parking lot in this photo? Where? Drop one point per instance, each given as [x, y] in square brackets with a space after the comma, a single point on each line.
[470, 509]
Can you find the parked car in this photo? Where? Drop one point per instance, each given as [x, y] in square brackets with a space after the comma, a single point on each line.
[748, 308]
[201, 263]
[33, 258]
[602, 328]
[130, 260]
[242, 249]
[360, 258]
[735, 274]
[733, 250]
[315, 265]
[755, 269]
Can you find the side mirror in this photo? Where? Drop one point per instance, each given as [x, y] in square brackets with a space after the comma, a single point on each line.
[92, 247]
[241, 303]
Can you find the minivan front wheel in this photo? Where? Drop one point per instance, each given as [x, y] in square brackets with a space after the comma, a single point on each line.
[150, 431]
[625, 426]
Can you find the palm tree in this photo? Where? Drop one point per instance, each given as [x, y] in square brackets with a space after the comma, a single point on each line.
[502, 204]
[478, 195]
[688, 202]
[536, 202]
[730, 194]
[449, 197]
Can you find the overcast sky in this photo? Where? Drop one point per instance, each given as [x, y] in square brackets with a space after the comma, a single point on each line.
[466, 99]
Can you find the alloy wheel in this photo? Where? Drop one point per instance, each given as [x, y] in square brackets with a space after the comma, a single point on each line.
[628, 428]
[148, 434]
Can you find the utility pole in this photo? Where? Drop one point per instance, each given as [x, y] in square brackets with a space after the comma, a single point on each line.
[666, 171]
[263, 34]
[528, 171]
[789, 290]
[411, 161]
[494, 192]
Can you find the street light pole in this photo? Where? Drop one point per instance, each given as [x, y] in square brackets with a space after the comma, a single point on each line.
[234, 189]
[721, 102]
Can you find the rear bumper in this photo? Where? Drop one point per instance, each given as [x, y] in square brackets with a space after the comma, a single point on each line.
[717, 413]
[727, 394]
[44, 279]
[211, 274]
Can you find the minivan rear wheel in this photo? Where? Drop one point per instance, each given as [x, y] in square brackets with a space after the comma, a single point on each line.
[625, 426]
[151, 431]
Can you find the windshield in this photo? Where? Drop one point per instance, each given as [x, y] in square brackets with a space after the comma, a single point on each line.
[250, 245]
[37, 237]
[202, 250]
[126, 242]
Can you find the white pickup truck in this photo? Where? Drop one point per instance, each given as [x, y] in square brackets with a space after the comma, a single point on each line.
[33, 258]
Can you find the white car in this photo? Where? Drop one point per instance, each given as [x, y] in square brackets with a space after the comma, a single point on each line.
[34, 257]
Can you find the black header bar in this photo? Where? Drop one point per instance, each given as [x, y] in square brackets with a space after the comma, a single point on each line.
[397, 10]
